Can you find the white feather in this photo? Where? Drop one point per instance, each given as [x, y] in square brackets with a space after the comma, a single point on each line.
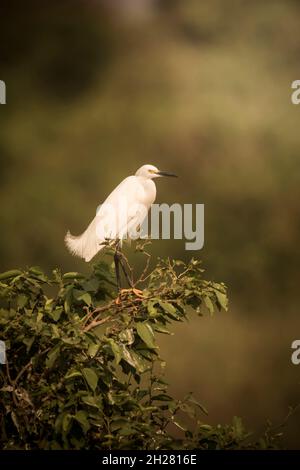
[112, 221]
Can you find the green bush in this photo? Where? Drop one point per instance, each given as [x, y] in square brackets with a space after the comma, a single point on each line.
[83, 369]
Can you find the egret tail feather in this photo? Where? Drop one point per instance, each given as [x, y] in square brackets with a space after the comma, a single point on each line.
[85, 246]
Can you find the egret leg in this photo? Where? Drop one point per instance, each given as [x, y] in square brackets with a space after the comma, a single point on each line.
[117, 268]
[121, 260]
[129, 280]
[124, 262]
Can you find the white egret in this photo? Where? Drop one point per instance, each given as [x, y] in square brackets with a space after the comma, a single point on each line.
[123, 212]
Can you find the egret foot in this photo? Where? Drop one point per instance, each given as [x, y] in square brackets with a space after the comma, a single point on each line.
[137, 292]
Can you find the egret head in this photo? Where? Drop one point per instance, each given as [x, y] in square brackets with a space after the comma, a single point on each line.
[150, 172]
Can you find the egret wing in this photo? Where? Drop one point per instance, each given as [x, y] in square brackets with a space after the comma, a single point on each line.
[121, 213]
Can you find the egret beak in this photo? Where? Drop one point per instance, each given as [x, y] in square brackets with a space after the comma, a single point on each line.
[165, 173]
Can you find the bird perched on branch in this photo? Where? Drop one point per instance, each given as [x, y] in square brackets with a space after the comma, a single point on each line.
[119, 217]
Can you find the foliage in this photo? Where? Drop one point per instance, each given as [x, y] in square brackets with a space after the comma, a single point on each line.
[83, 369]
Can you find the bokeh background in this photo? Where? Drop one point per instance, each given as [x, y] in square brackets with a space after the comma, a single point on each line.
[97, 88]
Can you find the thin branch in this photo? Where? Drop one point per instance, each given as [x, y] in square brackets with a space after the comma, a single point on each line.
[96, 310]
[95, 323]
[22, 372]
[13, 383]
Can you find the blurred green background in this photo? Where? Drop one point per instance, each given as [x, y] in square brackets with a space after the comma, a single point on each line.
[95, 89]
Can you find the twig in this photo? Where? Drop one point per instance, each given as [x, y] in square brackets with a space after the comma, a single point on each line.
[291, 412]
[96, 310]
[141, 249]
[8, 374]
[22, 372]
[95, 323]
[13, 383]
[143, 277]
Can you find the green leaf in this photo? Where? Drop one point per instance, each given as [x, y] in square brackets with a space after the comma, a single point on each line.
[238, 427]
[68, 298]
[91, 378]
[52, 356]
[93, 349]
[170, 310]
[195, 402]
[92, 401]
[209, 304]
[39, 317]
[167, 307]
[141, 364]
[160, 328]
[127, 356]
[222, 299]
[55, 314]
[73, 275]
[82, 296]
[91, 285]
[162, 397]
[102, 272]
[22, 300]
[55, 331]
[127, 336]
[73, 373]
[38, 273]
[116, 350]
[28, 342]
[151, 309]
[145, 332]
[66, 423]
[49, 305]
[81, 416]
[10, 274]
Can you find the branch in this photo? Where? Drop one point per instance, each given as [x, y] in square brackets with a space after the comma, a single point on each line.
[95, 323]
